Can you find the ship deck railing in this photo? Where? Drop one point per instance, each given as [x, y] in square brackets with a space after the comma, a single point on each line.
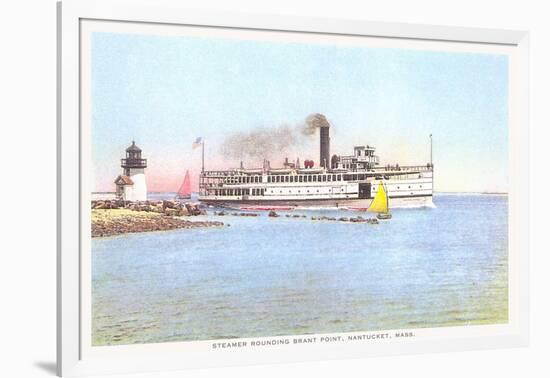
[391, 169]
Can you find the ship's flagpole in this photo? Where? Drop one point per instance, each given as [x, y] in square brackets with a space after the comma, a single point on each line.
[202, 155]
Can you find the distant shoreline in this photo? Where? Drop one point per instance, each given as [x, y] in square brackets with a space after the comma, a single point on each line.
[485, 193]
[472, 193]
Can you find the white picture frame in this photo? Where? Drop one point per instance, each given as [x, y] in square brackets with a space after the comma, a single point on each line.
[71, 222]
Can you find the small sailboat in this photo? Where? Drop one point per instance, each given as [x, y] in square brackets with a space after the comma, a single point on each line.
[184, 191]
[380, 203]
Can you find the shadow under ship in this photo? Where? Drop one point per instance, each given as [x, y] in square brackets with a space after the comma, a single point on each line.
[338, 182]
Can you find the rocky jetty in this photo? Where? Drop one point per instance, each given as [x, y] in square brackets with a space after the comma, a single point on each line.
[119, 217]
[170, 208]
[358, 219]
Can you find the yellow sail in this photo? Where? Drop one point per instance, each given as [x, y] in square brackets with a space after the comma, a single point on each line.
[380, 202]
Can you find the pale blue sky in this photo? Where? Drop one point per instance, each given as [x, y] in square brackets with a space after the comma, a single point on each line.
[165, 91]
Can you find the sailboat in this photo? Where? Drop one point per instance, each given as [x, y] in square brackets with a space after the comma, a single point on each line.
[184, 191]
[380, 203]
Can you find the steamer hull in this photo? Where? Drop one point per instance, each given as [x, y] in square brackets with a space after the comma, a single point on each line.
[409, 187]
[351, 204]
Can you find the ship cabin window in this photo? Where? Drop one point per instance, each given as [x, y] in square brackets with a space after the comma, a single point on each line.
[301, 178]
[314, 178]
[309, 179]
[329, 177]
[286, 178]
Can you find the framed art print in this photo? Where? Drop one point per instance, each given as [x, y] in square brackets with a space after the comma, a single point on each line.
[240, 189]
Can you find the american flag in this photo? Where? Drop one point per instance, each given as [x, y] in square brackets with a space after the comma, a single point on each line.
[198, 142]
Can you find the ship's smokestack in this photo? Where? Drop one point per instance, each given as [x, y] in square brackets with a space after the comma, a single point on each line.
[319, 121]
[324, 146]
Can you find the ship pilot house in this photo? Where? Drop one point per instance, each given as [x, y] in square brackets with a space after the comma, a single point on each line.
[131, 184]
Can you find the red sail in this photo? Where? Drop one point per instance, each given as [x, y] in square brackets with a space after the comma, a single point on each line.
[185, 188]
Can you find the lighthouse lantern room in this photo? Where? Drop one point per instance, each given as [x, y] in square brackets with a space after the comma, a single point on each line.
[131, 185]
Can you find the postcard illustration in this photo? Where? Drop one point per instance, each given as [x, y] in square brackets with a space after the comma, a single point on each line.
[255, 188]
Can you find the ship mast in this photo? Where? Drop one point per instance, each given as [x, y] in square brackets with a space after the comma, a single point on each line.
[431, 150]
[431, 161]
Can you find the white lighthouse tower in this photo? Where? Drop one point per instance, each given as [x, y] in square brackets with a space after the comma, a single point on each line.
[131, 185]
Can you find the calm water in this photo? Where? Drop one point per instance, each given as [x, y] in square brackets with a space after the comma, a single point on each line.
[426, 267]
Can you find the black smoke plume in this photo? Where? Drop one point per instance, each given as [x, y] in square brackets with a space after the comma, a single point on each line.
[266, 142]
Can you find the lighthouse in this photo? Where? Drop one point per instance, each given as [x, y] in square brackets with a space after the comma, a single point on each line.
[131, 184]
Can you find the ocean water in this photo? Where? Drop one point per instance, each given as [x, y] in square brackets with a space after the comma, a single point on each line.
[261, 276]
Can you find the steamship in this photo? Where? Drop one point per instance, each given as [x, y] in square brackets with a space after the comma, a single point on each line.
[339, 181]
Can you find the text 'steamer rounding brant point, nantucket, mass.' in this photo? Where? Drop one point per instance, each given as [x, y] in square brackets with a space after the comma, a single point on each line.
[350, 181]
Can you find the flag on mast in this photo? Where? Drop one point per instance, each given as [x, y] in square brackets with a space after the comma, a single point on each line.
[198, 142]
